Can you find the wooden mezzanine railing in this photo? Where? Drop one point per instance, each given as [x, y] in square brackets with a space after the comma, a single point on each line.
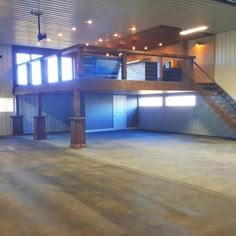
[95, 68]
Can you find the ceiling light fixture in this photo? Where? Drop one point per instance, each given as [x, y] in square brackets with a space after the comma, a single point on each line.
[89, 22]
[160, 44]
[133, 48]
[115, 35]
[87, 44]
[73, 28]
[60, 35]
[100, 40]
[199, 43]
[193, 30]
[145, 48]
[133, 28]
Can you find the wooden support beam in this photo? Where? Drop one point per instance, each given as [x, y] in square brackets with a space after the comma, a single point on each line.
[39, 121]
[77, 124]
[76, 103]
[17, 120]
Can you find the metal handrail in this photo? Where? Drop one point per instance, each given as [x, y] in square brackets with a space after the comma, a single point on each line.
[216, 91]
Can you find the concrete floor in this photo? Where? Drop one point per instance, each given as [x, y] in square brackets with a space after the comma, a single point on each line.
[48, 190]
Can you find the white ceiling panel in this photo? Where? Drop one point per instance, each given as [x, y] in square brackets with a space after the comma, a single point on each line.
[18, 26]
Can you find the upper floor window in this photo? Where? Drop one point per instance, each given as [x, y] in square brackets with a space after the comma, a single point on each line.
[66, 68]
[36, 72]
[52, 69]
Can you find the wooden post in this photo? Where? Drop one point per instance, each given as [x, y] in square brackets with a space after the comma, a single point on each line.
[124, 67]
[77, 124]
[79, 62]
[17, 120]
[39, 121]
[159, 68]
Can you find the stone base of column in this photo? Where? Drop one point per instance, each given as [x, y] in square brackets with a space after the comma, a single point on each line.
[40, 128]
[17, 125]
[77, 132]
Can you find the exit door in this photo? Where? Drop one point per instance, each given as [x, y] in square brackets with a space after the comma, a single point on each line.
[119, 112]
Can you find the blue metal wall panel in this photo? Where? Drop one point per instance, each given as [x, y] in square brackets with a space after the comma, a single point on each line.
[99, 111]
[132, 111]
[58, 108]
[201, 119]
[28, 108]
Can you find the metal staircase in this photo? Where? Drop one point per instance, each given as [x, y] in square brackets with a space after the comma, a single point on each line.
[216, 96]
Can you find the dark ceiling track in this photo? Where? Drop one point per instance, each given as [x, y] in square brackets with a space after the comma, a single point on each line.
[228, 2]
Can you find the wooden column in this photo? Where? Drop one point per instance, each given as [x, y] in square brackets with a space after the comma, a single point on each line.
[77, 124]
[124, 67]
[17, 120]
[39, 121]
[159, 68]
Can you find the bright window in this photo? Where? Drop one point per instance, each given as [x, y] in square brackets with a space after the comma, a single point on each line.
[151, 101]
[22, 58]
[66, 68]
[52, 69]
[36, 72]
[35, 56]
[6, 105]
[22, 78]
[187, 100]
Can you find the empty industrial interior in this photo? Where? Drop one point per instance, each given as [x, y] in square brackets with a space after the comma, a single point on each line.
[112, 124]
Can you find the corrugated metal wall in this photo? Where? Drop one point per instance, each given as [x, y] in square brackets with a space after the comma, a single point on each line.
[99, 111]
[6, 84]
[57, 107]
[225, 61]
[200, 119]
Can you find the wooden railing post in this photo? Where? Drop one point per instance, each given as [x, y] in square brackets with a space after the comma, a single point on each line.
[79, 62]
[124, 66]
[159, 68]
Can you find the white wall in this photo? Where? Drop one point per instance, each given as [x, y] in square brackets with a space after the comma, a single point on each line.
[6, 84]
[225, 61]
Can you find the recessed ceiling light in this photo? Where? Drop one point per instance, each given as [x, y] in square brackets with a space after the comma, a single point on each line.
[115, 35]
[193, 30]
[160, 44]
[133, 28]
[73, 28]
[60, 34]
[133, 48]
[145, 48]
[100, 40]
[89, 22]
